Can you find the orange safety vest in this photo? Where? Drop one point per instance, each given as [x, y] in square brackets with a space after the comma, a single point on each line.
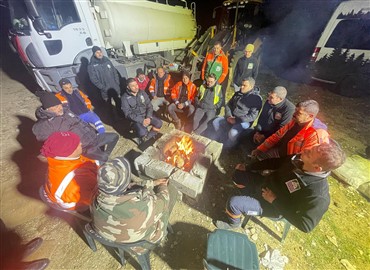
[166, 84]
[192, 91]
[64, 100]
[219, 65]
[306, 138]
[71, 182]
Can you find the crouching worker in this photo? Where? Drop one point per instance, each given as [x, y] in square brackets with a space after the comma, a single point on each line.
[71, 179]
[298, 190]
[126, 212]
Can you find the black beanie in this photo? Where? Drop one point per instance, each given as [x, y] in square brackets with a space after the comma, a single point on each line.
[95, 49]
[49, 100]
[64, 81]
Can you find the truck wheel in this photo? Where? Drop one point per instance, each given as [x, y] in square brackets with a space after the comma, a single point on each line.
[352, 86]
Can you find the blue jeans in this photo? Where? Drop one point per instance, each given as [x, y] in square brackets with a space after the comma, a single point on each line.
[92, 118]
[226, 133]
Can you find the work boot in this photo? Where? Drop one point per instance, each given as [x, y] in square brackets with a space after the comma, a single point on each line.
[31, 246]
[36, 265]
[226, 226]
[177, 124]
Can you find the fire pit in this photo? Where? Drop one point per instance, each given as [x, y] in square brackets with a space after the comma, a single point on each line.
[181, 157]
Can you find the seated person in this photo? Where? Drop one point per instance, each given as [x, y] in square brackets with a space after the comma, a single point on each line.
[138, 109]
[207, 102]
[302, 132]
[52, 117]
[240, 112]
[71, 178]
[79, 104]
[276, 113]
[126, 212]
[141, 79]
[298, 191]
[160, 89]
[182, 95]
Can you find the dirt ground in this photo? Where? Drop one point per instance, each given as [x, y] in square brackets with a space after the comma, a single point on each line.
[342, 234]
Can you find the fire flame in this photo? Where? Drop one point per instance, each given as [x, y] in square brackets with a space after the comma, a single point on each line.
[180, 154]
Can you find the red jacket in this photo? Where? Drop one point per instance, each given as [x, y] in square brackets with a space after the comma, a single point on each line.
[71, 182]
[308, 137]
[219, 66]
[143, 84]
[192, 91]
[84, 97]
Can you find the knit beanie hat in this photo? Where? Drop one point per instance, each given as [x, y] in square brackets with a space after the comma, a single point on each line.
[249, 47]
[49, 100]
[64, 81]
[60, 144]
[114, 176]
[95, 49]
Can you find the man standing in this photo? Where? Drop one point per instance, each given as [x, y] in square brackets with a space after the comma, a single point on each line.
[103, 75]
[138, 109]
[208, 101]
[245, 67]
[71, 180]
[240, 112]
[302, 132]
[79, 104]
[160, 89]
[298, 191]
[276, 113]
[52, 117]
[183, 95]
[126, 212]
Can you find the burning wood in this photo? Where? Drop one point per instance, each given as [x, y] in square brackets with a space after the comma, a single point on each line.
[179, 154]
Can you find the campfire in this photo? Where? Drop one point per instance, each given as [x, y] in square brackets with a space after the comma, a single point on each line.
[180, 154]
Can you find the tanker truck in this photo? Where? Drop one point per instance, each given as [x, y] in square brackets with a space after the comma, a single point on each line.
[54, 38]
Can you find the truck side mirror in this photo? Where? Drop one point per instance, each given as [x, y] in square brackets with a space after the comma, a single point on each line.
[35, 17]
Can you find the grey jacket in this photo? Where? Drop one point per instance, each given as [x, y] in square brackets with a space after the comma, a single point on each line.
[103, 74]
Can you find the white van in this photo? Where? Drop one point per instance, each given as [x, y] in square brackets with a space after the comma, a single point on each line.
[342, 54]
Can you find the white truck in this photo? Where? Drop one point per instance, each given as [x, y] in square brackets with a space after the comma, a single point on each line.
[342, 54]
[54, 37]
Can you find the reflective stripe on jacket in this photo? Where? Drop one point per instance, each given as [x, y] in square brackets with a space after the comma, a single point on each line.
[216, 99]
[308, 137]
[84, 98]
[153, 88]
[71, 182]
[176, 90]
[218, 65]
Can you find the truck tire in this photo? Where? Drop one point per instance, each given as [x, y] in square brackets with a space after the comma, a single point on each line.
[352, 86]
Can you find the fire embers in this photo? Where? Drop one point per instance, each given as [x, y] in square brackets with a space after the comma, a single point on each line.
[180, 153]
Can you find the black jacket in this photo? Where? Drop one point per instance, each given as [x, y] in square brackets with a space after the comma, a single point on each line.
[136, 108]
[302, 198]
[273, 117]
[244, 107]
[103, 74]
[245, 67]
[47, 123]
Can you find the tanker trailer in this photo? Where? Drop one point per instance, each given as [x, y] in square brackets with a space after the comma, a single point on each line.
[54, 38]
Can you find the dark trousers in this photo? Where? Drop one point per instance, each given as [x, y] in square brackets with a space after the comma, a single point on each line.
[173, 110]
[201, 119]
[106, 141]
[142, 131]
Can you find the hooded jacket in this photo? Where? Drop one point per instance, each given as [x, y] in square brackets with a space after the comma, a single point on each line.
[244, 107]
[103, 74]
[48, 122]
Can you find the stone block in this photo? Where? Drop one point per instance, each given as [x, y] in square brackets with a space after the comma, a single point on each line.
[152, 152]
[141, 161]
[214, 149]
[187, 183]
[355, 171]
[201, 166]
[158, 169]
[200, 139]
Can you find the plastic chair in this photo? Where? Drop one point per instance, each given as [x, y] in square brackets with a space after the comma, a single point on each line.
[123, 248]
[44, 197]
[285, 231]
[230, 250]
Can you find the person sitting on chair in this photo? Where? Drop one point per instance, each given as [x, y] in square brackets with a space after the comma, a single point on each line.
[71, 179]
[182, 94]
[138, 109]
[240, 112]
[298, 190]
[124, 211]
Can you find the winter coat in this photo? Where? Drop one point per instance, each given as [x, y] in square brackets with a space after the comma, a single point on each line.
[103, 74]
[245, 67]
[244, 107]
[62, 96]
[218, 65]
[142, 85]
[176, 92]
[209, 98]
[153, 88]
[136, 108]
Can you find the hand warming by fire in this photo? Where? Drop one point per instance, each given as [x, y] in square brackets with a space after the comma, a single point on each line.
[180, 153]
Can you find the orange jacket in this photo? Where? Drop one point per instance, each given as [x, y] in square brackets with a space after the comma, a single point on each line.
[61, 96]
[176, 90]
[219, 66]
[71, 182]
[308, 137]
[153, 86]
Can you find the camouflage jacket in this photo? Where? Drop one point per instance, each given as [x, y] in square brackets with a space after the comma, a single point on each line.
[136, 215]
